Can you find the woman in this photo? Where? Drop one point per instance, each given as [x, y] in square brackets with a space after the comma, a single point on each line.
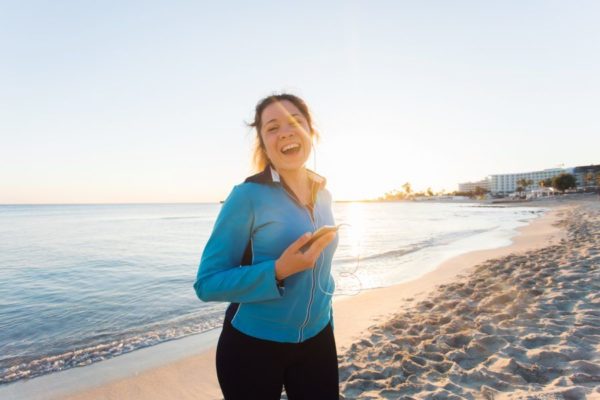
[278, 329]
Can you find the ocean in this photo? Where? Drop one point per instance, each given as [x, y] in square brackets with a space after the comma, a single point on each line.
[83, 283]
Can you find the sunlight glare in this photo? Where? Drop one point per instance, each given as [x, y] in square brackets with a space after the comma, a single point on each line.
[356, 230]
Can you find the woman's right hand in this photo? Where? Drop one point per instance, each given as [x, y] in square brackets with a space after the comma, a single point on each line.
[293, 260]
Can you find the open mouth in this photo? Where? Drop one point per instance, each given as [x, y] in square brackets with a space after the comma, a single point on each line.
[290, 149]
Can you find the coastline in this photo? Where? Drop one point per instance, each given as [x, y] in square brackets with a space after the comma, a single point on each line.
[523, 324]
[172, 370]
[354, 315]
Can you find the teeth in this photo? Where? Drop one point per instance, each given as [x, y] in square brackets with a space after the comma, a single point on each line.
[290, 146]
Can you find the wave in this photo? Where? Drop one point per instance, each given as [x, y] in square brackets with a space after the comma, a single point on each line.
[485, 206]
[153, 218]
[440, 240]
[196, 217]
[105, 346]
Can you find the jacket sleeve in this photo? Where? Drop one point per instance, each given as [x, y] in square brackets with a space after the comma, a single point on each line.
[220, 276]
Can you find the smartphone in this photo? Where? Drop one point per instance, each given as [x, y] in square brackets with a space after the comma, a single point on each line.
[320, 232]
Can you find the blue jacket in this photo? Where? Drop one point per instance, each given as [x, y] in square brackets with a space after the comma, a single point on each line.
[259, 219]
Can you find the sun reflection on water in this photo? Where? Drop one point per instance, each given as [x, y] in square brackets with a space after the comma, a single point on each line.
[356, 229]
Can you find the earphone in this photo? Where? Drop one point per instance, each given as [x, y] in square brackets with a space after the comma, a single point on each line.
[342, 274]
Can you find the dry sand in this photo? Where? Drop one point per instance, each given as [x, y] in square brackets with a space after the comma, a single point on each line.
[525, 325]
[382, 333]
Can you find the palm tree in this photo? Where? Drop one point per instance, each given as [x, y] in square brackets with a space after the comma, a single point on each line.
[407, 188]
[564, 181]
[588, 178]
[521, 183]
[524, 183]
[393, 195]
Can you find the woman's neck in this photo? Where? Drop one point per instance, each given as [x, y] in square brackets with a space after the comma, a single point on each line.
[294, 177]
[297, 180]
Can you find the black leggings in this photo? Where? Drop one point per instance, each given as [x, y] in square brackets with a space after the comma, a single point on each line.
[251, 368]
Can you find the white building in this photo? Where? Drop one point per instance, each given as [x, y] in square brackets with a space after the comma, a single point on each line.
[503, 184]
[542, 192]
[581, 173]
[471, 186]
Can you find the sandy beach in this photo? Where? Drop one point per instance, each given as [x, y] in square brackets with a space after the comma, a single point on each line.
[521, 321]
[522, 325]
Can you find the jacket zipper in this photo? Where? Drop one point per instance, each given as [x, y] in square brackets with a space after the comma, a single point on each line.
[312, 287]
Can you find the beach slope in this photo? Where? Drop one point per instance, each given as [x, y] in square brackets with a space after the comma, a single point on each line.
[525, 325]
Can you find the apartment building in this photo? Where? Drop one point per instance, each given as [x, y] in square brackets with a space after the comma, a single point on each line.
[582, 171]
[503, 184]
[471, 186]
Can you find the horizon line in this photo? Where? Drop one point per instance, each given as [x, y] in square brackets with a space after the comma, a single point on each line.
[146, 203]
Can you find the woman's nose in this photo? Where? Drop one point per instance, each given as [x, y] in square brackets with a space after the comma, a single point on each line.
[287, 131]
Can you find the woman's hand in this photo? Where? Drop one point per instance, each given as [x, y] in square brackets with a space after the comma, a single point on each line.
[293, 260]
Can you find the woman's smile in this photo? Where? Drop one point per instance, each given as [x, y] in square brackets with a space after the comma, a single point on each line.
[291, 148]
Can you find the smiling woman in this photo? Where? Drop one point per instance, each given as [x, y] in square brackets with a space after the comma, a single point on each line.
[278, 329]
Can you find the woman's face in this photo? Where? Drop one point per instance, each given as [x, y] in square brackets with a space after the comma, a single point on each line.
[286, 135]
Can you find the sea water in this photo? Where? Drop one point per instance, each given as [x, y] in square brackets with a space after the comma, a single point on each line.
[83, 283]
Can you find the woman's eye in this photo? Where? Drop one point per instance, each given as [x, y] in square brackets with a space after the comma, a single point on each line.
[272, 129]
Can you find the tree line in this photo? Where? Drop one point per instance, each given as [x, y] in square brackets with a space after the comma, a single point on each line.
[561, 182]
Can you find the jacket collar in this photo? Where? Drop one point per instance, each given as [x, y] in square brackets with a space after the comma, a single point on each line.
[270, 175]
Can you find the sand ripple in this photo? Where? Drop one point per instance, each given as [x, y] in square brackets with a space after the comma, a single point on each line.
[522, 326]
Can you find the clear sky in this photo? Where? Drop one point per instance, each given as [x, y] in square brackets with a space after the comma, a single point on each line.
[145, 101]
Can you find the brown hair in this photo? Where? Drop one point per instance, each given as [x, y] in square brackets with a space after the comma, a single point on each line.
[259, 155]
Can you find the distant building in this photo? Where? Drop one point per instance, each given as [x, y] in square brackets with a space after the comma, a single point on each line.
[542, 192]
[471, 186]
[503, 184]
[581, 172]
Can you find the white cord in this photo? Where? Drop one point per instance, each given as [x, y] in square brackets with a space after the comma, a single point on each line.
[342, 274]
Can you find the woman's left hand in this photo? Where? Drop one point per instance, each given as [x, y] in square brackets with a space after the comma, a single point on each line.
[293, 260]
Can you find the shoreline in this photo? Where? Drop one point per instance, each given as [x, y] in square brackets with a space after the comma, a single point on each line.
[523, 324]
[354, 315]
[170, 370]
